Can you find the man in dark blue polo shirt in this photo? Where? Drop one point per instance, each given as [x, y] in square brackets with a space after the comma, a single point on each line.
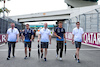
[28, 35]
[60, 34]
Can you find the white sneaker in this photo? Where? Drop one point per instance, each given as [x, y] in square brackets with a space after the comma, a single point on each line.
[60, 59]
[56, 56]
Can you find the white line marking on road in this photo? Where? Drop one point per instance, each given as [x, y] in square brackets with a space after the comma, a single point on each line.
[51, 49]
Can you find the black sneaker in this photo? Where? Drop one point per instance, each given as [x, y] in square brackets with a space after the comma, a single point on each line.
[25, 57]
[41, 55]
[45, 59]
[78, 61]
[29, 54]
[8, 58]
[75, 57]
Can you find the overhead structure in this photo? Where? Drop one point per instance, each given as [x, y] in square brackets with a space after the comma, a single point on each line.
[80, 3]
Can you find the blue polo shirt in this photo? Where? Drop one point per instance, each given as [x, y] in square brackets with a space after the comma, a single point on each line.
[28, 33]
[60, 32]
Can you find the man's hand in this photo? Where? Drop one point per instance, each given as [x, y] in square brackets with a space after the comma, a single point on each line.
[73, 42]
[59, 37]
[30, 39]
[49, 42]
[17, 40]
[23, 41]
[38, 40]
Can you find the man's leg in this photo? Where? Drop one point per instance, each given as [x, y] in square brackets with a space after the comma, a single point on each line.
[25, 50]
[29, 49]
[45, 52]
[13, 46]
[41, 52]
[77, 52]
[9, 50]
[57, 48]
[61, 50]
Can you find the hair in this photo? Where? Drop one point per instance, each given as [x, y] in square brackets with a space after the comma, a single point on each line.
[77, 22]
[60, 22]
[12, 23]
[27, 24]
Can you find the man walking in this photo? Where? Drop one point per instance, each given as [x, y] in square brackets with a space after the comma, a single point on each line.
[77, 35]
[12, 37]
[60, 34]
[28, 36]
[45, 35]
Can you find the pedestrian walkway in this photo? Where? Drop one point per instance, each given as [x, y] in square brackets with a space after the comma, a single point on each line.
[89, 56]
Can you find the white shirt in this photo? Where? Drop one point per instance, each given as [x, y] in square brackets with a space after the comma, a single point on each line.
[45, 34]
[12, 34]
[77, 34]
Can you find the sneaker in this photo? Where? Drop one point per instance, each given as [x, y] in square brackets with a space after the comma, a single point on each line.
[56, 56]
[29, 54]
[8, 58]
[41, 55]
[60, 59]
[75, 57]
[45, 59]
[25, 57]
[78, 61]
[13, 56]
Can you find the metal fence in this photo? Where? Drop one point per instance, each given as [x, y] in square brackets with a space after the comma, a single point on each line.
[90, 22]
[5, 24]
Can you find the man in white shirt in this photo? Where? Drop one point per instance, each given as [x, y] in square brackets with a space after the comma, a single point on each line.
[77, 35]
[45, 35]
[12, 37]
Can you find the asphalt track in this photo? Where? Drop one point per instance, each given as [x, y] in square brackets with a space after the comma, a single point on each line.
[89, 56]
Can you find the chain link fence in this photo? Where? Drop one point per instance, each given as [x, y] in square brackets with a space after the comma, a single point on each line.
[5, 24]
[90, 22]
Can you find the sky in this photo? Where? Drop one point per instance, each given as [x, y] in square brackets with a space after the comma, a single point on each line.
[20, 7]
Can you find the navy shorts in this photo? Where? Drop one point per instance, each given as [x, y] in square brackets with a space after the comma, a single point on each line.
[44, 44]
[78, 44]
[27, 43]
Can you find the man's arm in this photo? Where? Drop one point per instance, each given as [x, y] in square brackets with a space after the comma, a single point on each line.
[6, 37]
[39, 37]
[50, 38]
[65, 37]
[57, 35]
[72, 38]
[31, 37]
[17, 37]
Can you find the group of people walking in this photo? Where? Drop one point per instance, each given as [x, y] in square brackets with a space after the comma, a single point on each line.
[44, 38]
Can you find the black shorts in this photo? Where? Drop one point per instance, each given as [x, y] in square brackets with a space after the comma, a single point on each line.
[78, 44]
[27, 43]
[44, 44]
[60, 44]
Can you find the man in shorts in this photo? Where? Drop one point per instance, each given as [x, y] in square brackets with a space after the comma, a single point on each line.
[77, 35]
[45, 35]
[28, 36]
[60, 34]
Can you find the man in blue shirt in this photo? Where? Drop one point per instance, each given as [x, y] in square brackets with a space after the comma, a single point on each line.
[28, 35]
[60, 34]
